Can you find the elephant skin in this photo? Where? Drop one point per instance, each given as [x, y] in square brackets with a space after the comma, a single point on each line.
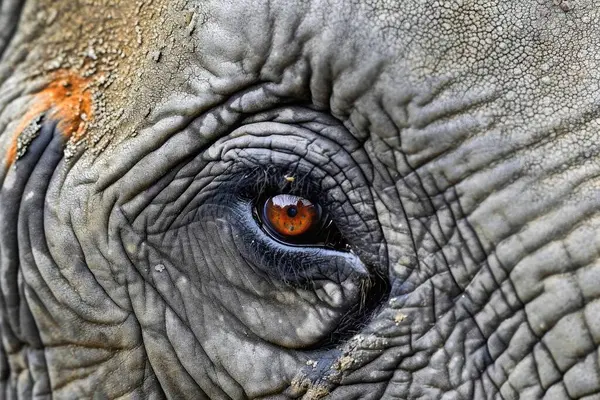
[449, 149]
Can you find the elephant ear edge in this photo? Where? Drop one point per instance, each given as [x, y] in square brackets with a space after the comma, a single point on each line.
[10, 10]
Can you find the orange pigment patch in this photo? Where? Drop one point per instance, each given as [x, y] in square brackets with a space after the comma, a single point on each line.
[67, 99]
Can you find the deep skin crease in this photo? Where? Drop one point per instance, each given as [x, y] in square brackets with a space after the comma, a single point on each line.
[454, 145]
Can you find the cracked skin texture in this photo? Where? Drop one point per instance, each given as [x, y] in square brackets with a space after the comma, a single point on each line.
[474, 126]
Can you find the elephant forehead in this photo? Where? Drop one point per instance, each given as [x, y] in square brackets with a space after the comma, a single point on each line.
[381, 66]
[423, 76]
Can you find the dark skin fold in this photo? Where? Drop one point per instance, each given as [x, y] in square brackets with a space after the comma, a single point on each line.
[346, 200]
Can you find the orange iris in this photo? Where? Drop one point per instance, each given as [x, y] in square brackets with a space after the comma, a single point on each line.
[290, 215]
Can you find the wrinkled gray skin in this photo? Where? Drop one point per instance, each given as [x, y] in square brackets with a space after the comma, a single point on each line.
[455, 145]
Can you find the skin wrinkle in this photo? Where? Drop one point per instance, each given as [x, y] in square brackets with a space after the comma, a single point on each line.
[22, 339]
[341, 169]
[8, 10]
[233, 316]
[143, 332]
[215, 377]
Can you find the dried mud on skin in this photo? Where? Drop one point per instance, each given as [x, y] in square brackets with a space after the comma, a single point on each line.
[88, 61]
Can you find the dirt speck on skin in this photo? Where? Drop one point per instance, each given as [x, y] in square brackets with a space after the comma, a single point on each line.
[316, 393]
[24, 139]
[399, 318]
[311, 391]
[344, 363]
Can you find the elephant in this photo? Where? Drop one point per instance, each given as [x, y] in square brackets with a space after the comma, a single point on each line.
[231, 199]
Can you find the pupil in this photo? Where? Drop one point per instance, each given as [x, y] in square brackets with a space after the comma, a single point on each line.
[292, 212]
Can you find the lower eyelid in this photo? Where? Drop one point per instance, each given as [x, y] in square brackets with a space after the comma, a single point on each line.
[258, 245]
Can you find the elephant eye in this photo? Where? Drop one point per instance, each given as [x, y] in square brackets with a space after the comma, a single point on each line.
[297, 221]
[290, 216]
